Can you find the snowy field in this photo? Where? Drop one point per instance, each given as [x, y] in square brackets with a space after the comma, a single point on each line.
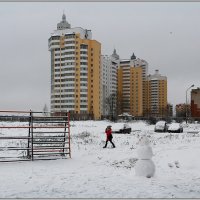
[94, 172]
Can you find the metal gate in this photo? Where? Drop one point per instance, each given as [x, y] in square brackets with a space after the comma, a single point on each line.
[38, 136]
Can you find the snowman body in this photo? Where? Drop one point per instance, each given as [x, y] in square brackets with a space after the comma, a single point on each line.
[144, 166]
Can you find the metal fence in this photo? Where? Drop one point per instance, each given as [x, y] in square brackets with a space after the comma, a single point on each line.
[39, 136]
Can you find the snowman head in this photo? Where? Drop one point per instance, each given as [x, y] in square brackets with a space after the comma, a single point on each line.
[143, 141]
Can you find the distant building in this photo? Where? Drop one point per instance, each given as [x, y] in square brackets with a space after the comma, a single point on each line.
[140, 94]
[131, 75]
[87, 83]
[75, 71]
[195, 102]
[156, 95]
[109, 66]
[181, 110]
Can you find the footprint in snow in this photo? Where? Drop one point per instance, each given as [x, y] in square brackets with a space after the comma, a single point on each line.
[170, 165]
[177, 164]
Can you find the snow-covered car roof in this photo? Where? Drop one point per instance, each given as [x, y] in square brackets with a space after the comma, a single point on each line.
[160, 123]
[174, 126]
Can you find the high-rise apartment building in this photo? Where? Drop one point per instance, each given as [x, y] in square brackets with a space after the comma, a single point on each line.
[75, 70]
[144, 65]
[109, 66]
[131, 75]
[156, 87]
[88, 84]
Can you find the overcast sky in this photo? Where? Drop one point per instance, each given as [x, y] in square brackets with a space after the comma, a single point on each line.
[165, 34]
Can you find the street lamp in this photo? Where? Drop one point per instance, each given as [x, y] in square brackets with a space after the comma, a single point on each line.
[186, 114]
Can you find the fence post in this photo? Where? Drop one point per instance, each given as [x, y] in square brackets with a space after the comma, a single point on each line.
[29, 135]
[31, 123]
[64, 145]
[68, 116]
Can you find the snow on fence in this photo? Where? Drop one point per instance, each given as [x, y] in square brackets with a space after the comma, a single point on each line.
[40, 136]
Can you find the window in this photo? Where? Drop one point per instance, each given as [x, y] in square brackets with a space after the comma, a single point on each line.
[83, 46]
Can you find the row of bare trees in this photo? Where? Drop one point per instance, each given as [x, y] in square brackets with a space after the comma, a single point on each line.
[114, 106]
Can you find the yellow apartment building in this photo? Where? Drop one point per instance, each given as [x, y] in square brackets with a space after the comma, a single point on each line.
[75, 71]
[131, 76]
[156, 96]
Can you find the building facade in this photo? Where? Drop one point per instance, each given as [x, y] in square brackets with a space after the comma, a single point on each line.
[156, 96]
[75, 71]
[131, 76]
[181, 110]
[195, 103]
[109, 66]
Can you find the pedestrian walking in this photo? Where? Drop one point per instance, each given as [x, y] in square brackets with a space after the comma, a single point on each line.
[109, 136]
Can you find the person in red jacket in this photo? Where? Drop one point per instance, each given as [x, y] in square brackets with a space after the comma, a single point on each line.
[109, 136]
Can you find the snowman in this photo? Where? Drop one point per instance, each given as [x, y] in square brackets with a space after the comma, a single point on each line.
[144, 166]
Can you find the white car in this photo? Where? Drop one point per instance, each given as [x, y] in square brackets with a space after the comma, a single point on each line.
[161, 126]
[175, 128]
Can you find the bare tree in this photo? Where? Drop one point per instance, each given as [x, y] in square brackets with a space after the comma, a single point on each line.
[119, 103]
[45, 110]
[110, 102]
[114, 104]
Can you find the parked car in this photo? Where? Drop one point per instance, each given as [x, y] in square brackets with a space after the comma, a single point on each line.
[161, 126]
[124, 130]
[175, 128]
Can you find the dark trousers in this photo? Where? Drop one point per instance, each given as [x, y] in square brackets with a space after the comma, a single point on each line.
[110, 142]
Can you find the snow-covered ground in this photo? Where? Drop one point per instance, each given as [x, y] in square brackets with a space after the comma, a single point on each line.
[94, 172]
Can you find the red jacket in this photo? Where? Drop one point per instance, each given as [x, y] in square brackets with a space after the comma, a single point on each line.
[108, 134]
